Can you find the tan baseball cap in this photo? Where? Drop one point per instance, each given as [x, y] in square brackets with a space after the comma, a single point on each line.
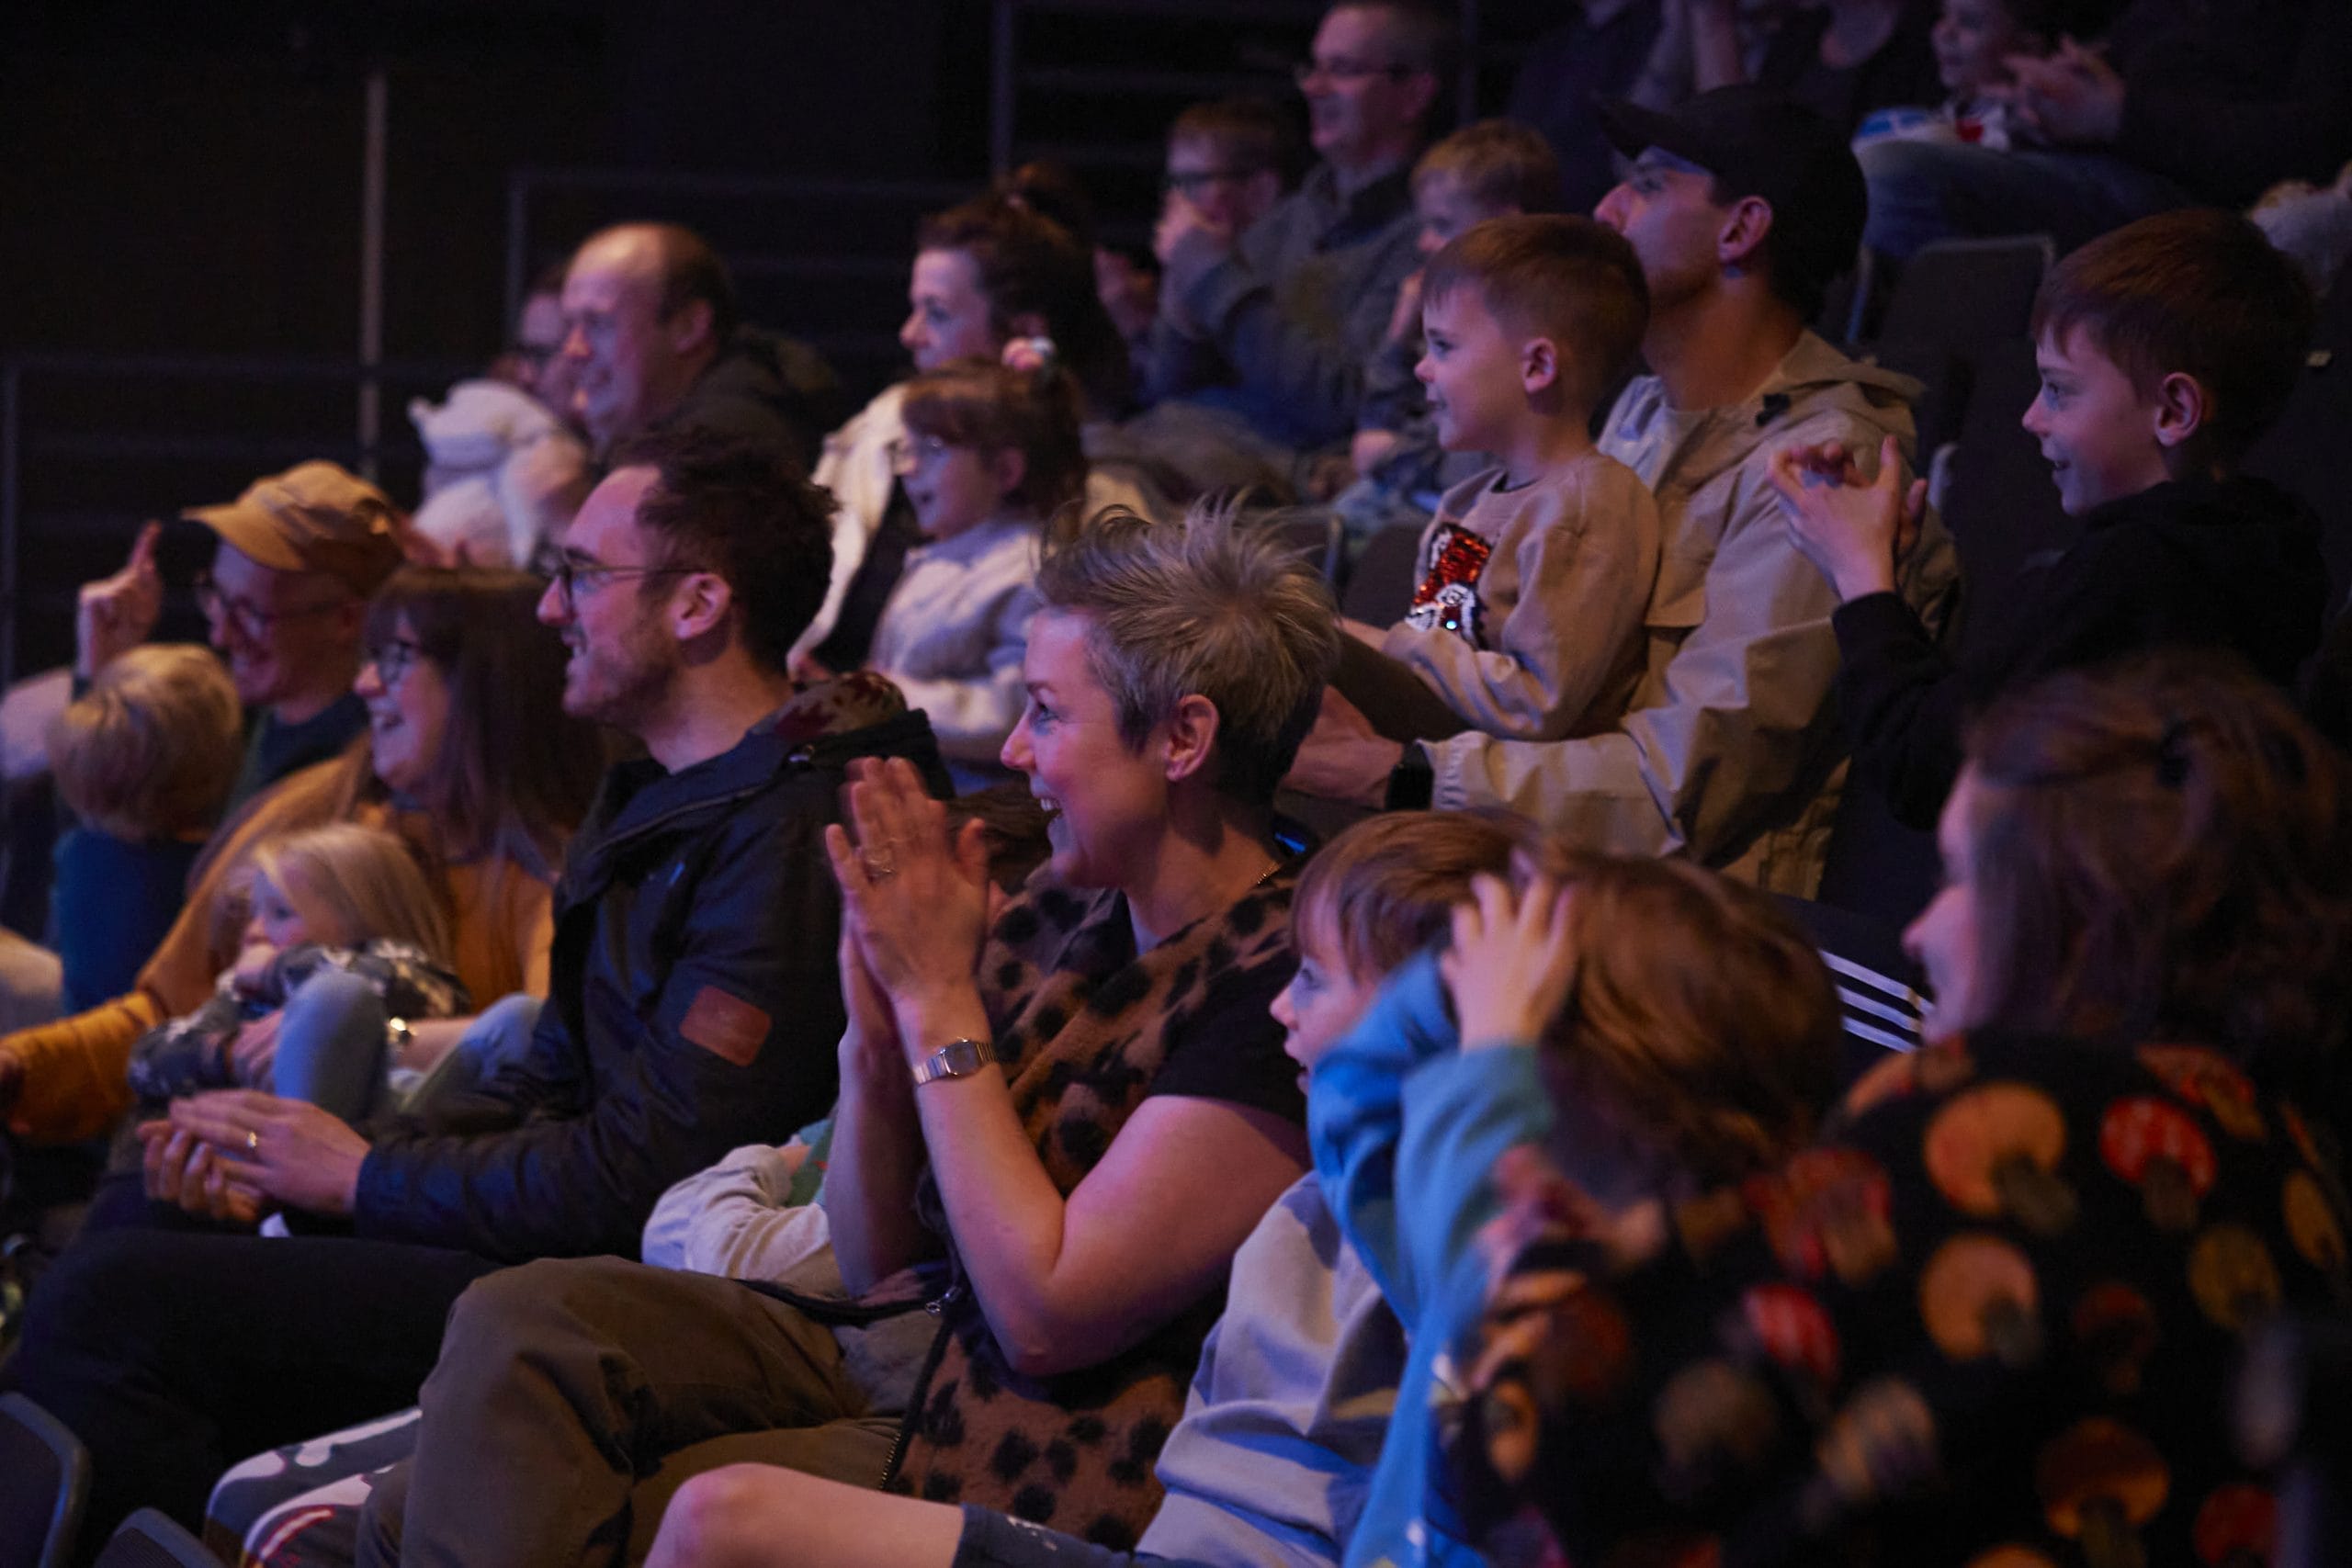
[315, 517]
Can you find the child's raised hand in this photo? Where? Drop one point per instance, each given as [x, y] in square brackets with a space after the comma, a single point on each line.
[1512, 961]
[2073, 97]
[1853, 533]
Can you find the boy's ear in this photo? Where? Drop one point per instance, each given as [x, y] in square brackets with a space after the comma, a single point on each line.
[1746, 224]
[2183, 406]
[1191, 734]
[1539, 365]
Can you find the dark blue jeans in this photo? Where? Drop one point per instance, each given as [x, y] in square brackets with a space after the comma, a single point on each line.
[1925, 191]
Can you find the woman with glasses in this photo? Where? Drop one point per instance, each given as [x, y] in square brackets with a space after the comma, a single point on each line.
[469, 758]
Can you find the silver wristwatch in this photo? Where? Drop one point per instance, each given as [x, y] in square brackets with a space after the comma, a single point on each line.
[956, 1059]
[400, 1039]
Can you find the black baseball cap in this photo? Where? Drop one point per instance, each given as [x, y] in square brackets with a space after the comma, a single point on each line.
[1756, 142]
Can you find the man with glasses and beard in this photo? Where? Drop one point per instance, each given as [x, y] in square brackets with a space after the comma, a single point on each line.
[692, 1006]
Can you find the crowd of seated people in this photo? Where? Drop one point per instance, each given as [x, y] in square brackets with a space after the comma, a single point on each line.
[751, 983]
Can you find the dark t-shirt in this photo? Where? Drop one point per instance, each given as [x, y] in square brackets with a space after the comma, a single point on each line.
[110, 907]
[274, 750]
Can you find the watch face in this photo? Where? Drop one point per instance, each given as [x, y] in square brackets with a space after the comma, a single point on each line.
[958, 1058]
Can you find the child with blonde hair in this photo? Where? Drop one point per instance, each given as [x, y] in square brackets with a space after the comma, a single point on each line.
[144, 758]
[990, 453]
[332, 908]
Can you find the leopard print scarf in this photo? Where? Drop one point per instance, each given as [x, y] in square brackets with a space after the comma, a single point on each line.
[1083, 1024]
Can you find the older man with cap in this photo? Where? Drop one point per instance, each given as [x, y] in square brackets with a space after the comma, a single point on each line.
[300, 555]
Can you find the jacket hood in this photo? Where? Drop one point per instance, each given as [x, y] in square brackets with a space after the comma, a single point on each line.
[783, 373]
[1812, 378]
[823, 725]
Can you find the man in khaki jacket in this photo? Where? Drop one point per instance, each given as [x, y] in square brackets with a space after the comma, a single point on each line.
[1742, 208]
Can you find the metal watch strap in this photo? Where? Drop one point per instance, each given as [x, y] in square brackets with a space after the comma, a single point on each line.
[956, 1059]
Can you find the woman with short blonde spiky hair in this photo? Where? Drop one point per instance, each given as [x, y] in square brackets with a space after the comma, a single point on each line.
[1076, 1111]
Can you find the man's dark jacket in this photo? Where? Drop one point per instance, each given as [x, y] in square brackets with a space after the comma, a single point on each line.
[2231, 564]
[768, 389]
[693, 1005]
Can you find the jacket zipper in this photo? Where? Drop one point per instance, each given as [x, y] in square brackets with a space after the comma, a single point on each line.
[937, 1307]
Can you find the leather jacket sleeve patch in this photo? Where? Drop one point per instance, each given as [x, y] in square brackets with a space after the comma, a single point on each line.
[726, 1026]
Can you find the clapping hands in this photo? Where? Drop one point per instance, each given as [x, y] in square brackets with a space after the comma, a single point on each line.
[1854, 532]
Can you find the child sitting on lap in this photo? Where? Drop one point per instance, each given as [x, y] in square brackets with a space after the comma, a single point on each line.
[1496, 168]
[1535, 575]
[338, 899]
[989, 454]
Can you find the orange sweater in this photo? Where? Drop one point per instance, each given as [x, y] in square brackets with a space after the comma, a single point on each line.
[73, 1070]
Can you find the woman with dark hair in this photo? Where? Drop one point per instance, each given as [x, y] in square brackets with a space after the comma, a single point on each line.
[1990, 1317]
[988, 274]
[469, 758]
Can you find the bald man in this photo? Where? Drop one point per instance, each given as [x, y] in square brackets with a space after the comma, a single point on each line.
[653, 339]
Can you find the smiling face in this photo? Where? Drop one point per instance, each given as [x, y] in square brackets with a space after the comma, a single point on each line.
[627, 363]
[282, 632]
[954, 488]
[947, 315]
[624, 663]
[1944, 940]
[1472, 369]
[2098, 432]
[1325, 998]
[1974, 38]
[1106, 803]
[1360, 107]
[1665, 208]
[408, 711]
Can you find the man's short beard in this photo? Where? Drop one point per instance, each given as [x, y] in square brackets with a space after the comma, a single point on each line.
[639, 698]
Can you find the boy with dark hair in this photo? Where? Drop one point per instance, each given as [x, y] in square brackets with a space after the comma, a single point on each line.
[2165, 347]
[1533, 577]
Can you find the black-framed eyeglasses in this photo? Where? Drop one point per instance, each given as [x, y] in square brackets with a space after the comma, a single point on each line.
[250, 618]
[1191, 181]
[1339, 68]
[393, 658]
[571, 575]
